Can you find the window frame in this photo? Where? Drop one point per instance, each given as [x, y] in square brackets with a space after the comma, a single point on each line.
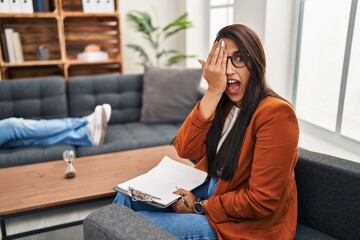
[333, 137]
[227, 6]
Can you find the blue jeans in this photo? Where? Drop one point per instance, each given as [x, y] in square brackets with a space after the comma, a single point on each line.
[183, 226]
[19, 132]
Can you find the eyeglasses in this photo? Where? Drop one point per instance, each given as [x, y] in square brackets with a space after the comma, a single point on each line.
[238, 60]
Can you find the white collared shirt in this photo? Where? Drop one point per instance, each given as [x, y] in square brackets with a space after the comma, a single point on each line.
[229, 123]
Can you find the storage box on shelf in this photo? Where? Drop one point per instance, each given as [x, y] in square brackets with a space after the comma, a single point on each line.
[51, 40]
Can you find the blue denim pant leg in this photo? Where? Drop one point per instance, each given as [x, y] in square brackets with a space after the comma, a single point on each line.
[183, 226]
[19, 132]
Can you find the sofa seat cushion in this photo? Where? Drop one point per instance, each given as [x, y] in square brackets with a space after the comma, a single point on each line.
[306, 233]
[29, 155]
[120, 137]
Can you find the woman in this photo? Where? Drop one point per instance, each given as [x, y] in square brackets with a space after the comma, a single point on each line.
[245, 136]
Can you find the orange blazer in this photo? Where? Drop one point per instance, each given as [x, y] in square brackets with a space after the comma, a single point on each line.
[260, 201]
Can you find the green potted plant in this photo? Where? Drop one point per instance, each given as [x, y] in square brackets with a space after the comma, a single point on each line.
[155, 36]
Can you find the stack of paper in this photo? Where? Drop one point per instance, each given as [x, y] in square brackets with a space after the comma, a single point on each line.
[93, 56]
[162, 180]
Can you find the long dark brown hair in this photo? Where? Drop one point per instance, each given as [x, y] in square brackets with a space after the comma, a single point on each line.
[228, 155]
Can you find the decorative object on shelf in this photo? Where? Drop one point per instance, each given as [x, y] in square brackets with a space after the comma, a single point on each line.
[156, 36]
[69, 156]
[92, 52]
[43, 52]
[98, 6]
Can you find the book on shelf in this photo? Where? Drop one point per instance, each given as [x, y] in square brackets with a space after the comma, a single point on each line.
[26, 6]
[4, 6]
[15, 6]
[10, 44]
[88, 6]
[13, 46]
[98, 6]
[41, 5]
[19, 56]
[5, 53]
[156, 187]
[107, 6]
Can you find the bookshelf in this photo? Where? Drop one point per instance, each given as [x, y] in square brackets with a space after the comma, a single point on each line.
[65, 30]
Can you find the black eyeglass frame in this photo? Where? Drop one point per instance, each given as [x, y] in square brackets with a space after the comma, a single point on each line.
[235, 55]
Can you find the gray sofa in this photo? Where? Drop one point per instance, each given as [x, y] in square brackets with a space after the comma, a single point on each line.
[329, 205]
[53, 97]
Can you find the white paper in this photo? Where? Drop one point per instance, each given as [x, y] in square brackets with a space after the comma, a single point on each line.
[162, 180]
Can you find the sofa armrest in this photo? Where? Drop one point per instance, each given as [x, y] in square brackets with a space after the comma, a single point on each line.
[119, 222]
[328, 194]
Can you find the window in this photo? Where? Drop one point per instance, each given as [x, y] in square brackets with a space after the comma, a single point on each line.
[327, 76]
[350, 126]
[221, 14]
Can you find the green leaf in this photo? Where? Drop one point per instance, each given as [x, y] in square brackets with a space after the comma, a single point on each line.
[165, 52]
[179, 24]
[168, 34]
[155, 36]
[142, 21]
[178, 58]
[180, 21]
[143, 55]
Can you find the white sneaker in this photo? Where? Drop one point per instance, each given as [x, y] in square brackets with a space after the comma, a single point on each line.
[107, 109]
[97, 124]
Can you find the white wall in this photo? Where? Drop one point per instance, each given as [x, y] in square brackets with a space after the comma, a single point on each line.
[279, 43]
[197, 37]
[273, 21]
[251, 13]
[162, 12]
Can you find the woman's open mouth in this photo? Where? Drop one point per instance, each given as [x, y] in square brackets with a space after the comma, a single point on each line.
[233, 86]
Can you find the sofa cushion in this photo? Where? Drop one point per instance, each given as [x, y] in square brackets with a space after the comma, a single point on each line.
[306, 233]
[29, 155]
[116, 222]
[122, 92]
[34, 98]
[328, 194]
[128, 136]
[169, 94]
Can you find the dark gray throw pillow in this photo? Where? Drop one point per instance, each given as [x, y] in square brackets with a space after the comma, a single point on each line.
[169, 94]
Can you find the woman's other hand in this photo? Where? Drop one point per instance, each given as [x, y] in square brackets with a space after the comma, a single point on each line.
[180, 206]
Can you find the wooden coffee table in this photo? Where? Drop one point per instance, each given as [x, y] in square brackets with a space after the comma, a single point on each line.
[30, 188]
